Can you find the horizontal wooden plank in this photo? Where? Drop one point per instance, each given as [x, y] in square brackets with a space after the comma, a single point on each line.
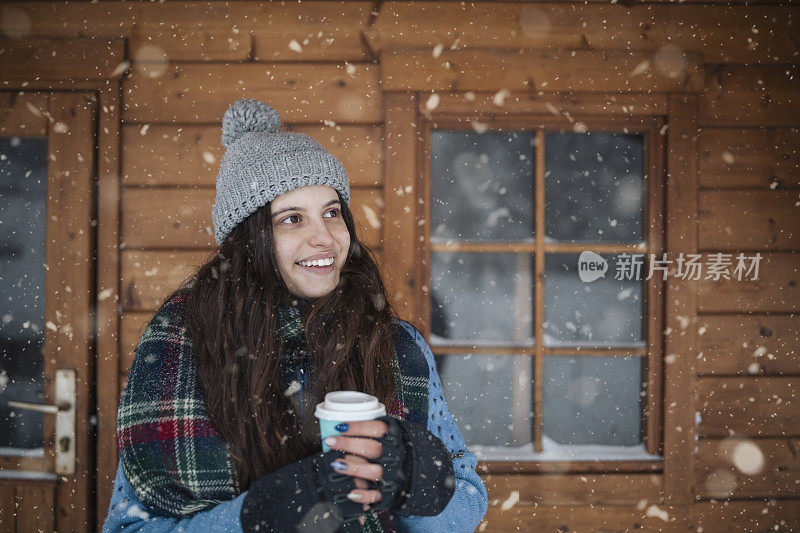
[485, 106]
[575, 488]
[190, 155]
[30, 464]
[648, 516]
[131, 328]
[49, 59]
[749, 157]
[148, 276]
[209, 32]
[745, 344]
[749, 220]
[315, 31]
[161, 154]
[730, 516]
[724, 34]
[559, 467]
[58, 19]
[181, 218]
[194, 32]
[307, 92]
[536, 70]
[777, 288]
[23, 114]
[750, 96]
[167, 218]
[748, 468]
[756, 407]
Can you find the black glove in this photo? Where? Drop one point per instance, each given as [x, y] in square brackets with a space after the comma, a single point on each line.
[307, 495]
[418, 477]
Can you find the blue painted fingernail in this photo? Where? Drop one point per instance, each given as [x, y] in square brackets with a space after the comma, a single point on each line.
[342, 428]
[338, 465]
[330, 441]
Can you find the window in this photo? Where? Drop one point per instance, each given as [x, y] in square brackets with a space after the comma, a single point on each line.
[536, 362]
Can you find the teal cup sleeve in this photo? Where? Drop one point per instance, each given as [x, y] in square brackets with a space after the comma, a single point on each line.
[327, 428]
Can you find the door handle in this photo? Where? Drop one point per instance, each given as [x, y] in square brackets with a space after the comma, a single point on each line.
[64, 409]
[46, 408]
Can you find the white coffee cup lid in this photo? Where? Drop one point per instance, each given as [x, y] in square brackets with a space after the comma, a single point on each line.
[349, 406]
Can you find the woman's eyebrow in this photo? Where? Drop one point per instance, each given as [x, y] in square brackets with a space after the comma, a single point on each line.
[276, 213]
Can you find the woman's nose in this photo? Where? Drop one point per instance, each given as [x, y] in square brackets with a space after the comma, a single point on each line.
[321, 234]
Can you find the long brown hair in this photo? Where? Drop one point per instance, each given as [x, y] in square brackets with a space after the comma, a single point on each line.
[232, 311]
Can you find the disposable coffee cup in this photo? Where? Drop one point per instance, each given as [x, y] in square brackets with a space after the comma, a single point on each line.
[345, 406]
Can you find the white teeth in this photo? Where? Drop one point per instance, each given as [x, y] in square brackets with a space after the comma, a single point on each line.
[318, 262]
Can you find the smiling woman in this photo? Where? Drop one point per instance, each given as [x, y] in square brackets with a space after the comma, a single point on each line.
[215, 427]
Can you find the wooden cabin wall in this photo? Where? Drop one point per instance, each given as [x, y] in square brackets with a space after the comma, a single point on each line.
[328, 68]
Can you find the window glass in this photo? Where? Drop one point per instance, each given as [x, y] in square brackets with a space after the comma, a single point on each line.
[593, 400]
[481, 298]
[602, 312]
[594, 187]
[482, 186]
[490, 396]
[23, 200]
[482, 190]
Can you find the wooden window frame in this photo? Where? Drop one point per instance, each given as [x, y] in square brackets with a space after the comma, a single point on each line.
[408, 125]
[680, 106]
[654, 148]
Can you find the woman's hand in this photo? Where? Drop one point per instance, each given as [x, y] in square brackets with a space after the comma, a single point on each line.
[358, 442]
[395, 465]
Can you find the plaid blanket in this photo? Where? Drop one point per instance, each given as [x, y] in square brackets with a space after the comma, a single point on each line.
[172, 456]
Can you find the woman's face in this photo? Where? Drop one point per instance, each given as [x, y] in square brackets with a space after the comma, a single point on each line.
[311, 239]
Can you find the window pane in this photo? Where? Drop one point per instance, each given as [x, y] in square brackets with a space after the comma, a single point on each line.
[23, 182]
[482, 186]
[481, 298]
[594, 187]
[491, 397]
[593, 400]
[601, 312]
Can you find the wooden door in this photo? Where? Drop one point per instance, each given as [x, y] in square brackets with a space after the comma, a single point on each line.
[47, 258]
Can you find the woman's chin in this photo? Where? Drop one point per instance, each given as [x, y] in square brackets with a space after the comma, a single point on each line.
[314, 288]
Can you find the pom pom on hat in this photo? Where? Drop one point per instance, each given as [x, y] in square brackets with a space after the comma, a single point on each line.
[247, 115]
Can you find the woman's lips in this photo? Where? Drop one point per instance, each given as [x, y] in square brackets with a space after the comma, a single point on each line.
[317, 261]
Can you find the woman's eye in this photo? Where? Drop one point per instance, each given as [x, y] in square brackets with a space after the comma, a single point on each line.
[291, 219]
[333, 213]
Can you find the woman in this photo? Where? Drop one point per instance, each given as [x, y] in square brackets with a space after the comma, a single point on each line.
[215, 427]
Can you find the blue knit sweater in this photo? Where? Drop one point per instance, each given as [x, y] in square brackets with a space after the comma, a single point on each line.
[464, 512]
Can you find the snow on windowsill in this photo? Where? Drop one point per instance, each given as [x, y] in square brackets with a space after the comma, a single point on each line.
[6, 451]
[28, 475]
[436, 340]
[554, 451]
[550, 342]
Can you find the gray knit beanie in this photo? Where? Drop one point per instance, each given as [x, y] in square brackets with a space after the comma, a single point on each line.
[262, 162]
